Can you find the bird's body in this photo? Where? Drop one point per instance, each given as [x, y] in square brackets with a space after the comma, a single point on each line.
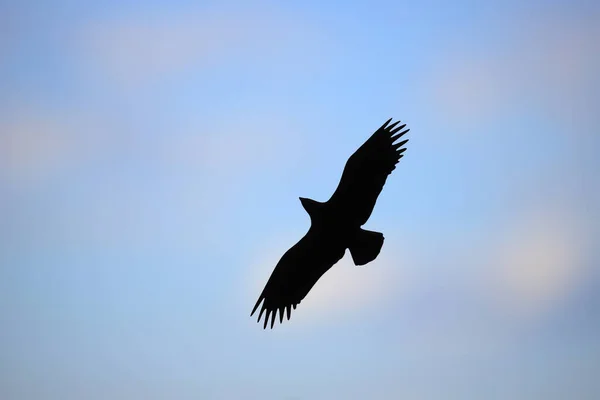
[335, 225]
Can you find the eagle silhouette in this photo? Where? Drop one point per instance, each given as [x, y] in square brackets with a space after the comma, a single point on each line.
[335, 225]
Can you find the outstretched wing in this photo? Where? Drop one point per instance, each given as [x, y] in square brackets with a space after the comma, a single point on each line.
[296, 273]
[366, 171]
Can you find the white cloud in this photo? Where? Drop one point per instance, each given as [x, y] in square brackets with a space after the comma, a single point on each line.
[143, 46]
[537, 262]
[38, 144]
[547, 62]
[173, 193]
[237, 146]
[346, 290]
[34, 146]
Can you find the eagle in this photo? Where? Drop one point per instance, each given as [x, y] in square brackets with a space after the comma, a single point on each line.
[335, 225]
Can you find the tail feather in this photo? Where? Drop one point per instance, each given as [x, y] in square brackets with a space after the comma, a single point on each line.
[365, 246]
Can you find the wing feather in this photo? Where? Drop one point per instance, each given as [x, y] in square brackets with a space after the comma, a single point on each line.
[366, 171]
[295, 274]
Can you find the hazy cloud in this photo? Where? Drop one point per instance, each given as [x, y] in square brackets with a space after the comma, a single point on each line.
[547, 62]
[538, 261]
[139, 47]
[236, 146]
[35, 145]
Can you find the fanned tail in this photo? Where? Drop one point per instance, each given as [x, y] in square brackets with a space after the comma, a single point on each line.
[365, 246]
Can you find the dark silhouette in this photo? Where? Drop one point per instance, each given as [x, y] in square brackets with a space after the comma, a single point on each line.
[336, 225]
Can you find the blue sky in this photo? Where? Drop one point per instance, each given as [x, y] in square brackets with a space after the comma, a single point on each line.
[151, 160]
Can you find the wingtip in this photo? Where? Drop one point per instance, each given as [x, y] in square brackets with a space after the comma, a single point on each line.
[262, 310]
[397, 128]
[399, 135]
[400, 144]
[390, 127]
[260, 299]
[385, 124]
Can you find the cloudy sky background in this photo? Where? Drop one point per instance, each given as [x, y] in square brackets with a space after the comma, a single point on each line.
[151, 160]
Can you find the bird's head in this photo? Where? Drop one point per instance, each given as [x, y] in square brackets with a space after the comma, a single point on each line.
[311, 206]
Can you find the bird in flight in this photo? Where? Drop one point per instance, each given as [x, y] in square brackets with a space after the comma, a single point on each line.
[335, 225]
